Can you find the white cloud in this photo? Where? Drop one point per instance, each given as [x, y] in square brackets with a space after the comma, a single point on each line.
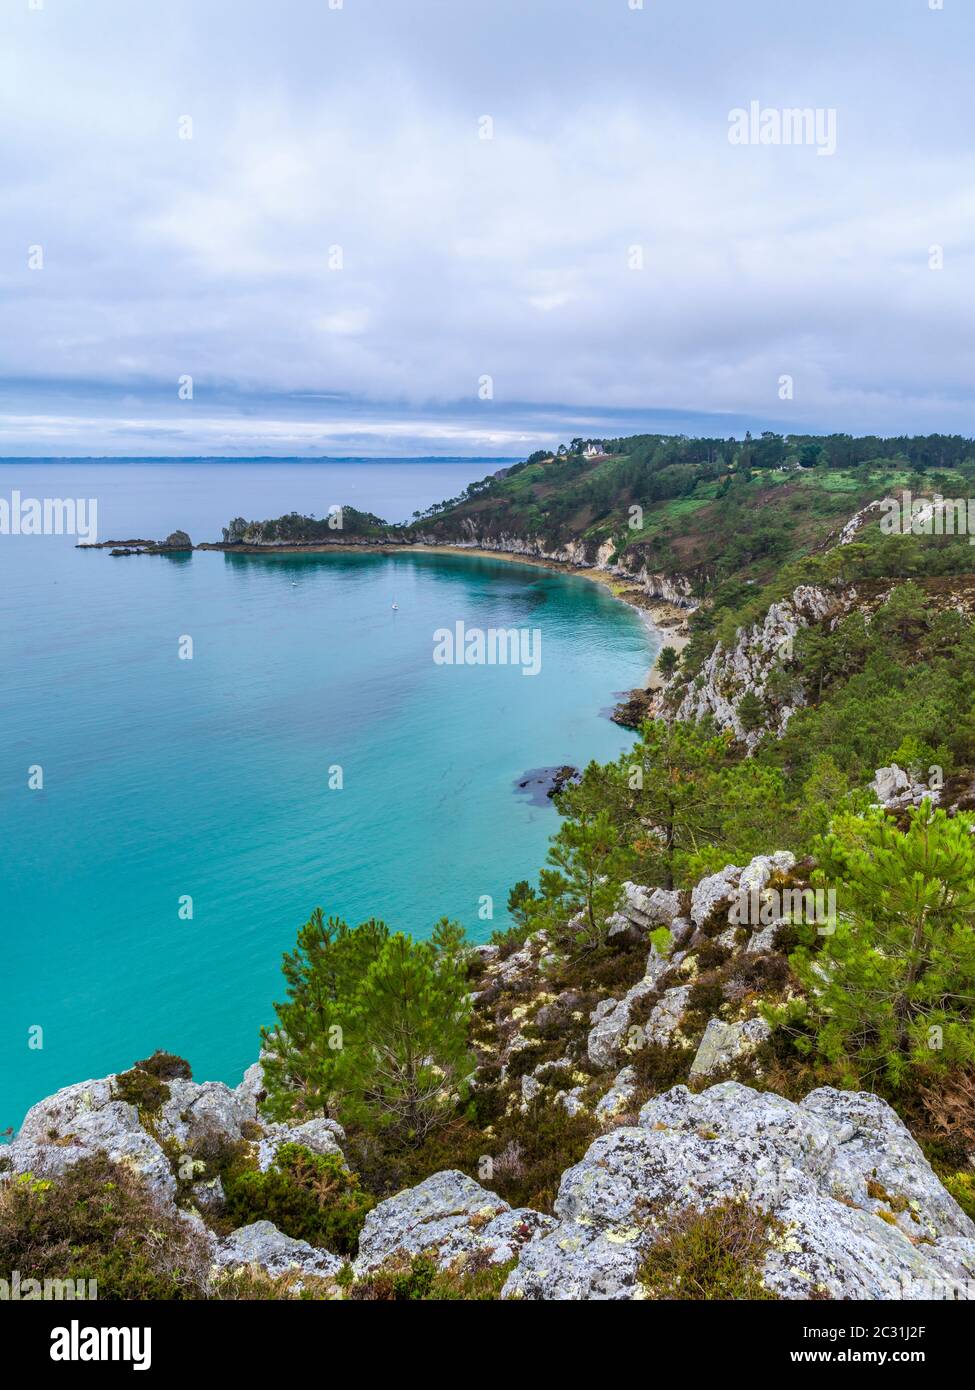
[358, 129]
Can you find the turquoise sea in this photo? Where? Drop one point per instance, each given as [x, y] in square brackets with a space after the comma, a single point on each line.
[209, 778]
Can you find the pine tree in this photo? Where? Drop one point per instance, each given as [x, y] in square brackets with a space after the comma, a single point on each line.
[892, 989]
[406, 1061]
[373, 1029]
[589, 862]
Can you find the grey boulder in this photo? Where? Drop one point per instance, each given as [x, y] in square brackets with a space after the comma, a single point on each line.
[448, 1217]
[858, 1212]
[264, 1246]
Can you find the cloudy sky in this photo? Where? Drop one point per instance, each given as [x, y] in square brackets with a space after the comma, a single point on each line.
[339, 258]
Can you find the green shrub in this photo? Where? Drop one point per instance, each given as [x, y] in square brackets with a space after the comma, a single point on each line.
[374, 1024]
[962, 1188]
[710, 1255]
[166, 1066]
[98, 1222]
[891, 988]
[141, 1089]
[309, 1196]
[419, 1281]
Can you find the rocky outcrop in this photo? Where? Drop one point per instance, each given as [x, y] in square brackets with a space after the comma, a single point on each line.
[196, 1111]
[673, 588]
[724, 1044]
[855, 1210]
[611, 1017]
[618, 1097]
[83, 1120]
[449, 1218]
[262, 1246]
[861, 519]
[89, 1117]
[160, 1146]
[644, 909]
[320, 1136]
[714, 893]
[896, 789]
[729, 675]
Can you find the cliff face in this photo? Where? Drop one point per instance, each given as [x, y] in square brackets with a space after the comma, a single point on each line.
[673, 588]
[729, 675]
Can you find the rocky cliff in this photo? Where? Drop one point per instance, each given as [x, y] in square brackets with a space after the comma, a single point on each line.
[657, 1055]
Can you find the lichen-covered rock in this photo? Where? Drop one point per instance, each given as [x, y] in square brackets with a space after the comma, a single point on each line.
[321, 1136]
[530, 1087]
[714, 893]
[208, 1193]
[447, 1217]
[86, 1119]
[666, 1016]
[250, 1091]
[730, 673]
[757, 874]
[714, 897]
[896, 789]
[520, 963]
[872, 1140]
[724, 1044]
[201, 1110]
[571, 1101]
[611, 1017]
[763, 939]
[619, 1095]
[263, 1245]
[847, 1189]
[649, 907]
[81, 1121]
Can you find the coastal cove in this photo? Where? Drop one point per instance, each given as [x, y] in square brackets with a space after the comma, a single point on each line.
[208, 779]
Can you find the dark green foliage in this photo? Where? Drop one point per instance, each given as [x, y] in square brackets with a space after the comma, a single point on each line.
[141, 1089]
[374, 1027]
[667, 661]
[751, 711]
[891, 992]
[310, 1196]
[295, 529]
[166, 1066]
